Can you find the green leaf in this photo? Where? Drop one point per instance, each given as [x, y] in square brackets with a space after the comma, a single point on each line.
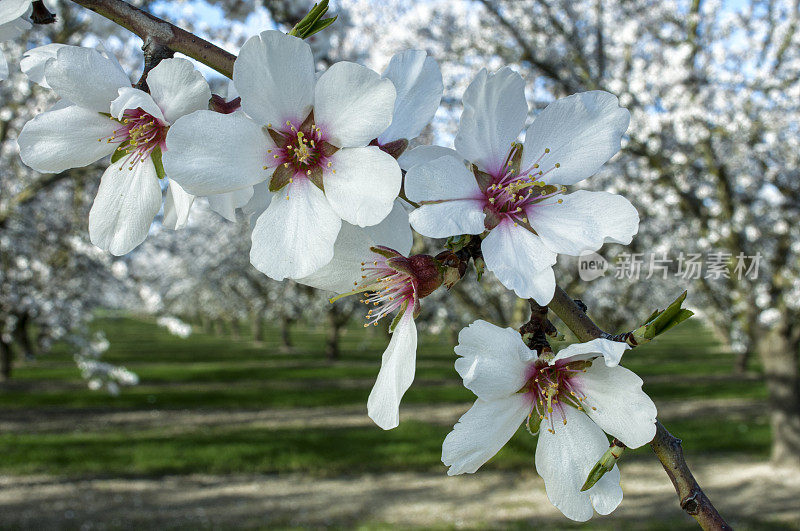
[604, 464]
[155, 156]
[313, 22]
[119, 153]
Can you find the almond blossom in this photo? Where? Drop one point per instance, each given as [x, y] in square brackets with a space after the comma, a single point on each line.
[516, 191]
[570, 399]
[100, 114]
[374, 260]
[307, 137]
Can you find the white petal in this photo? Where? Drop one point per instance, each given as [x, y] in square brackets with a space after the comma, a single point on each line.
[445, 179]
[581, 131]
[3, 66]
[126, 203]
[494, 361]
[493, 116]
[352, 104]
[130, 98]
[274, 75]
[226, 204]
[611, 351]
[211, 153]
[352, 249]
[65, 138]
[33, 62]
[564, 459]
[482, 431]
[13, 29]
[178, 88]
[394, 231]
[86, 78]
[419, 86]
[420, 154]
[584, 221]
[365, 185]
[397, 372]
[623, 409]
[450, 218]
[176, 207]
[258, 203]
[294, 237]
[520, 261]
[442, 178]
[11, 9]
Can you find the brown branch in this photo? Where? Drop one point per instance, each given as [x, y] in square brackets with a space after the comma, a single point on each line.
[666, 447]
[693, 500]
[153, 29]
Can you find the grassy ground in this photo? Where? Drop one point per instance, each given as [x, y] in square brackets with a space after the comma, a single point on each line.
[53, 425]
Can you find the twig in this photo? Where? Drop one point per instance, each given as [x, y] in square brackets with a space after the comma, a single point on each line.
[666, 447]
[693, 500]
[158, 31]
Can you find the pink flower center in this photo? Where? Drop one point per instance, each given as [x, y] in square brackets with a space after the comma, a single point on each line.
[140, 133]
[301, 148]
[512, 193]
[553, 387]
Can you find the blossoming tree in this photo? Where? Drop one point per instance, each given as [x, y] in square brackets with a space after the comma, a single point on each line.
[319, 163]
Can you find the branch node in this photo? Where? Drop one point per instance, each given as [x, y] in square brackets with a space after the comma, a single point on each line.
[40, 13]
[154, 53]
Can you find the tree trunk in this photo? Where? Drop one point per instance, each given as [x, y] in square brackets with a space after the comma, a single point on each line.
[742, 360]
[22, 337]
[233, 326]
[286, 336]
[332, 335]
[219, 327]
[6, 360]
[206, 324]
[779, 358]
[257, 327]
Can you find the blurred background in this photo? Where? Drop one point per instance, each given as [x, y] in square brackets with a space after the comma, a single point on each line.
[178, 387]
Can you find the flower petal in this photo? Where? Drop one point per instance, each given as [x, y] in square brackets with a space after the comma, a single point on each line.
[564, 459]
[124, 208]
[365, 185]
[178, 88]
[226, 204]
[420, 154]
[274, 75]
[494, 361]
[581, 131]
[419, 86]
[482, 431]
[494, 113]
[176, 207]
[441, 178]
[294, 237]
[352, 104]
[397, 372]
[33, 62]
[3, 67]
[211, 153]
[520, 261]
[130, 98]
[352, 249]
[11, 9]
[85, 77]
[47, 145]
[611, 351]
[623, 409]
[258, 203]
[445, 179]
[583, 221]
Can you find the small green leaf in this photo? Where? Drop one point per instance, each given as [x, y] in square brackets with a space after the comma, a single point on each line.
[155, 156]
[119, 153]
[605, 464]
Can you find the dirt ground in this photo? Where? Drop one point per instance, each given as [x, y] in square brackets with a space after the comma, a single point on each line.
[751, 495]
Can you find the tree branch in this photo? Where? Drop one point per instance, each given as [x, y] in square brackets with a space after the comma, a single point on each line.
[160, 32]
[693, 500]
[666, 447]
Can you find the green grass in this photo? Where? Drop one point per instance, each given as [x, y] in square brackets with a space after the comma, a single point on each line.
[210, 373]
